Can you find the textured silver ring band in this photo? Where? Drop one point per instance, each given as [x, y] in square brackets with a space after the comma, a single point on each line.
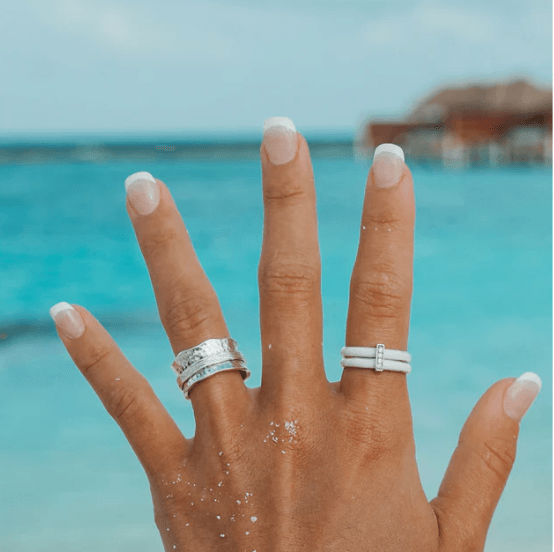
[214, 369]
[205, 360]
[207, 348]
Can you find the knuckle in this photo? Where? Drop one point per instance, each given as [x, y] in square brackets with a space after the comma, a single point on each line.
[284, 190]
[290, 274]
[381, 292]
[499, 457]
[151, 244]
[95, 357]
[385, 217]
[187, 314]
[126, 406]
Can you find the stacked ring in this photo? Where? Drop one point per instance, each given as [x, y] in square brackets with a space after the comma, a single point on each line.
[204, 360]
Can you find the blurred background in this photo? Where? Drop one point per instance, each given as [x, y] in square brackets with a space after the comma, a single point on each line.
[93, 91]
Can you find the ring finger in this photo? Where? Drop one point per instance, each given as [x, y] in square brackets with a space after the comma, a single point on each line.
[381, 283]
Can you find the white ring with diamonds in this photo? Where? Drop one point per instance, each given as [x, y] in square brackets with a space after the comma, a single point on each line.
[378, 358]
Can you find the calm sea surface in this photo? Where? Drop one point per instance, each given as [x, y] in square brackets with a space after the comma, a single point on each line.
[481, 311]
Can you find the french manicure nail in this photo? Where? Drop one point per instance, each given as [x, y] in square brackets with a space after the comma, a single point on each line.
[280, 140]
[143, 192]
[388, 165]
[521, 394]
[68, 320]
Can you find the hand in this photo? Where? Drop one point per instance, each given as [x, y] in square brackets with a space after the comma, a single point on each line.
[298, 464]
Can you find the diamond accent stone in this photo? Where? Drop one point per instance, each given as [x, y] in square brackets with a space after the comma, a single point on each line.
[380, 350]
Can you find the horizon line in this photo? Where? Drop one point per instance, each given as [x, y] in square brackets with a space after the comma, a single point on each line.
[175, 135]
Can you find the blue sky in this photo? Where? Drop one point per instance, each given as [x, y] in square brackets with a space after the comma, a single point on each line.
[175, 66]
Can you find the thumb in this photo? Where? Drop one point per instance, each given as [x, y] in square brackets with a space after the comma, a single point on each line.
[480, 466]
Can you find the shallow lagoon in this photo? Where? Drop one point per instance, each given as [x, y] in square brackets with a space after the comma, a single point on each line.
[481, 311]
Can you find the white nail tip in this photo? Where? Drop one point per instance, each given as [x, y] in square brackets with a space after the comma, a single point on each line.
[59, 307]
[530, 376]
[389, 148]
[143, 175]
[278, 122]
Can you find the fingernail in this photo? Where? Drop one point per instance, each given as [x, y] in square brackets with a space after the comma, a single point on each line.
[68, 320]
[143, 192]
[280, 140]
[521, 394]
[388, 165]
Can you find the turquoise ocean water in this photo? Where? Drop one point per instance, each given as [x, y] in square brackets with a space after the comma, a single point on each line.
[481, 311]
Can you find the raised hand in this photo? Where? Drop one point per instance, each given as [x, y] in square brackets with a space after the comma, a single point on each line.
[298, 464]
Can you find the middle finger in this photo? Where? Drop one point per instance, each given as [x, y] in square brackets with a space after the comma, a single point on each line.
[290, 267]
